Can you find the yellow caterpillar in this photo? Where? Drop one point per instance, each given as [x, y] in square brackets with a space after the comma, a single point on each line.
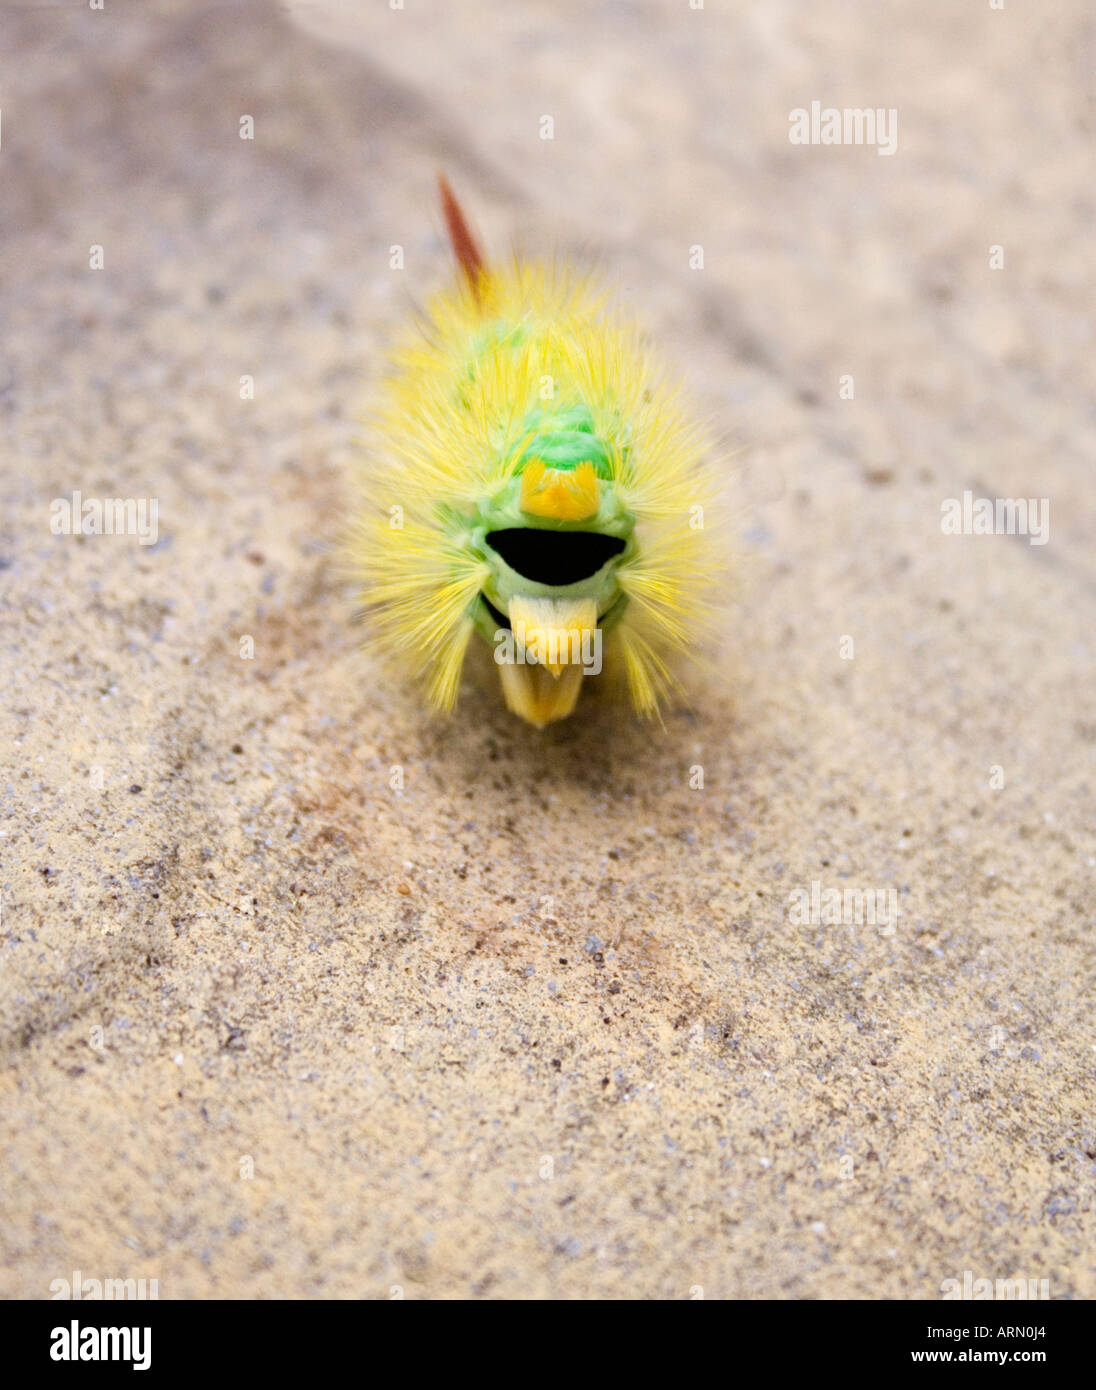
[532, 481]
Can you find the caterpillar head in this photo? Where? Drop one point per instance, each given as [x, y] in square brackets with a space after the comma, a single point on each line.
[553, 540]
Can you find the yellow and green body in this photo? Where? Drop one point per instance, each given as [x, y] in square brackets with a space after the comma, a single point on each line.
[532, 480]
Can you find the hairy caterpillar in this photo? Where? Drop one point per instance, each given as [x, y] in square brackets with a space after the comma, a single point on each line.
[532, 481]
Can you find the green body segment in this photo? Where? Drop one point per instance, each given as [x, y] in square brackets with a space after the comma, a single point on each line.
[565, 438]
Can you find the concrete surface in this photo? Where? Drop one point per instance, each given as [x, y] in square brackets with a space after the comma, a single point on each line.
[541, 1023]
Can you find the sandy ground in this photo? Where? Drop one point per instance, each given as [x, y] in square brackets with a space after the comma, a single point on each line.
[541, 1023]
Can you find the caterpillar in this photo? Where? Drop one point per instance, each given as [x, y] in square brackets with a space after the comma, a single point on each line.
[532, 481]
